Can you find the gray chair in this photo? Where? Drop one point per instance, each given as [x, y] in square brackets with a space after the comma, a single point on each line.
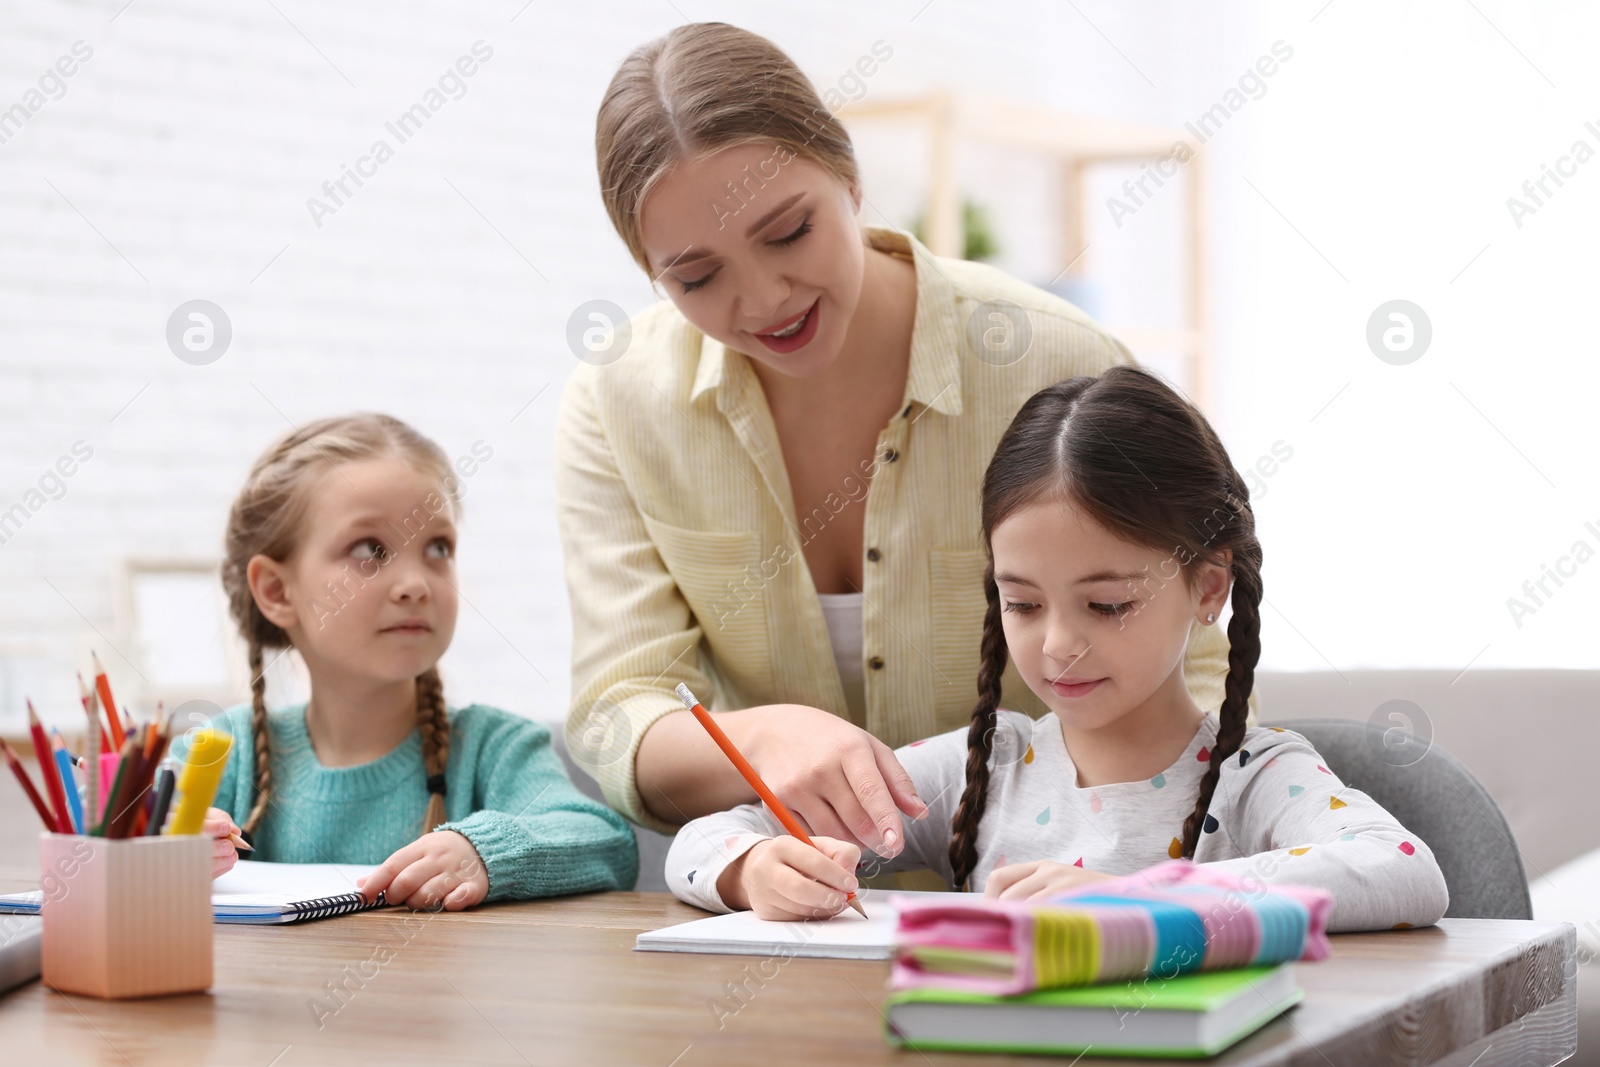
[1436, 797]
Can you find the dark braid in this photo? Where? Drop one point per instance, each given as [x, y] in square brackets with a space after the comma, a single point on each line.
[1142, 462]
[1244, 649]
[980, 739]
[434, 722]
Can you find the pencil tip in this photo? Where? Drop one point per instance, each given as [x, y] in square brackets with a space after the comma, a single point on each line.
[856, 904]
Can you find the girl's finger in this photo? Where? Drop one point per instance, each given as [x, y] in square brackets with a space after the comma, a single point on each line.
[804, 898]
[411, 878]
[819, 868]
[460, 897]
[1025, 888]
[1002, 877]
[430, 897]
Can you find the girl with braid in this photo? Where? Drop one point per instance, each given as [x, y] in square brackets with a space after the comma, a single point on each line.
[1113, 519]
[341, 546]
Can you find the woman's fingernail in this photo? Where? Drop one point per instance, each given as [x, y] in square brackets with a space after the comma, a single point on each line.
[890, 839]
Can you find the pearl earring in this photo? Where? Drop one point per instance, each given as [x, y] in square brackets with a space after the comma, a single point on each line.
[1211, 617]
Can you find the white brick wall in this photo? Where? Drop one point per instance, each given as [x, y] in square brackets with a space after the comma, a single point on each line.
[192, 139]
[194, 135]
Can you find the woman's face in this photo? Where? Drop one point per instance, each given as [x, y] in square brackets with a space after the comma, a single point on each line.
[760, 249]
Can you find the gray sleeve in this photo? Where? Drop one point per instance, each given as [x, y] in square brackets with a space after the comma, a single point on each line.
[1285, 817]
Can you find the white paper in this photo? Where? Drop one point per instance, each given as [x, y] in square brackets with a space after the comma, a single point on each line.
[253, 885]
[846, 936]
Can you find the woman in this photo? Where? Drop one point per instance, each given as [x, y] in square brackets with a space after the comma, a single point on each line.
[772, 496]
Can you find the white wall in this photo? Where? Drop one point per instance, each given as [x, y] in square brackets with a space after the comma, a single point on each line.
[179, 161]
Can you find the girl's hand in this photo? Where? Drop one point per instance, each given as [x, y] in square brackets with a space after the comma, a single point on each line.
[784, 878]
[219, 826]
[440, 869]
[836, 777]
[1024, 881]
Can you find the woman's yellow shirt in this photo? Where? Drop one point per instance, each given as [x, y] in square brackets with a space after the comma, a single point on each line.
[684, 556]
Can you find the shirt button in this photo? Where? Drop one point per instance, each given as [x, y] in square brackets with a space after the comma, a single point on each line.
[873, 555]
[891, 455]
[876, 663]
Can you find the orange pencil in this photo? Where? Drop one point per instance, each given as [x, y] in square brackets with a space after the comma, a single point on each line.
[102, 685]
[790, 823]
[27, 786]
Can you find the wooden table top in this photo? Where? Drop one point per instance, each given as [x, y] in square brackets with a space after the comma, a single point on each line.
[556, 982]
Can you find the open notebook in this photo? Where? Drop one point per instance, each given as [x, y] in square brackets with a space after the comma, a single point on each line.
[846, 936]
[263, 893]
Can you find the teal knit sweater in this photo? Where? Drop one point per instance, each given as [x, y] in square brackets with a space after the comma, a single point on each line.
[507, 793]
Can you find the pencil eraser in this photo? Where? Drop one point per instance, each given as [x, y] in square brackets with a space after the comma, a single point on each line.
[687, 697]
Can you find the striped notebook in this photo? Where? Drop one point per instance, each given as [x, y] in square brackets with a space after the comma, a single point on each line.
[264, 894]
[1174, 918]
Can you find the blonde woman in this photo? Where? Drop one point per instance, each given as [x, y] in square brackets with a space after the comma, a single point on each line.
[772, 495]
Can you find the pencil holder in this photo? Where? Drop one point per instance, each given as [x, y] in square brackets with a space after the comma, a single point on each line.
[126, 917]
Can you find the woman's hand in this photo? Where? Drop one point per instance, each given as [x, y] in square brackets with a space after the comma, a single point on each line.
[437, 869]
[1039, 878]
[785, 878]
[838, 779]
[219, 826]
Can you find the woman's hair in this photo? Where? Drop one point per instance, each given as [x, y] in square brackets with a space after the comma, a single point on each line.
[266, 519]
[702, 88]
[1141, 461]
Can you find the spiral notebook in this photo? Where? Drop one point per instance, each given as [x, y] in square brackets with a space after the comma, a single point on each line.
[264, 894]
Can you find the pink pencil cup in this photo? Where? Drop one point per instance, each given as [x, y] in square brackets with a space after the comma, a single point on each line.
[126, 917]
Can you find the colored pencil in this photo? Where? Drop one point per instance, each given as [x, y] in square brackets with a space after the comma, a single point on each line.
[166, 779]
[48, 773]
[69, 782]
[91, 775]
[790, 823]
[91, 708]
[117, 802]
[27, 786]
[102, 685]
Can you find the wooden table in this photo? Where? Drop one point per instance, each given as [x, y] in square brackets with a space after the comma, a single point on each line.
[556, 982]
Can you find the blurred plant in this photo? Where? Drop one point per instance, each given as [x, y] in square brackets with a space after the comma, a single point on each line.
[978, 230]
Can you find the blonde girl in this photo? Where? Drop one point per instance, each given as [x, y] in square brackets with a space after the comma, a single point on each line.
[341, 546]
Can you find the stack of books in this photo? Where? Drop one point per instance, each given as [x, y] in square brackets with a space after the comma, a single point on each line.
[1176, 960]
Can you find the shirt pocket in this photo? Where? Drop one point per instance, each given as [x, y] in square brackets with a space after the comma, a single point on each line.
[721, 576]
[957, 602]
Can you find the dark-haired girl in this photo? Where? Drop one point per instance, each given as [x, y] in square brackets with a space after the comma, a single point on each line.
[1114, 519]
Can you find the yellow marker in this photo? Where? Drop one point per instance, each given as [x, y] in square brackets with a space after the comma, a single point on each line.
[197, 784]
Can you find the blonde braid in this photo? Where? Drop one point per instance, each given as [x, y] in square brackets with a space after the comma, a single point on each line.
[258, 733]
[434, 721]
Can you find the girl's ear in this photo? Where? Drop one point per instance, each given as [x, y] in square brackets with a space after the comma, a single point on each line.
[1216, 582]
[269, 586]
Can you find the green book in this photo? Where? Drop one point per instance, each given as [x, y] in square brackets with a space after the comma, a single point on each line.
[1190, 1016]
